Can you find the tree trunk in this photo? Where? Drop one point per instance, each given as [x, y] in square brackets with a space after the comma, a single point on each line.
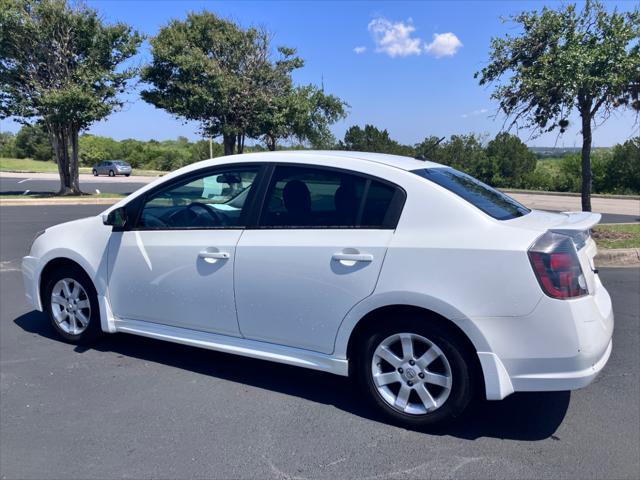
[586, 161]
[74, 177]
[271, 143]
[240, 143]
[63, 139]
[229, 142]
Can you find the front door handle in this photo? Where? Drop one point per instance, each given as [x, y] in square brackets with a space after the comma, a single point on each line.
[210, 256]
[353, 257]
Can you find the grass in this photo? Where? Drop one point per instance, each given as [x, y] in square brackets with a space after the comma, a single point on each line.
[617, 236]
[28, 165]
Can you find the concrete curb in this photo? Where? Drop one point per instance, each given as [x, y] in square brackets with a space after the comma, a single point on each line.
[618, 257]
[12, 202]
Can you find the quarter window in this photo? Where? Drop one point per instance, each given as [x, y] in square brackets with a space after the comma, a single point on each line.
[307, 197]
[214, 200]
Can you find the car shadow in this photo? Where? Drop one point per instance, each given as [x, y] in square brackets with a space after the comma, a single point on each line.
[521, 416]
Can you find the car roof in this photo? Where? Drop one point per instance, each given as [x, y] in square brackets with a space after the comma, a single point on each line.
[397, 161]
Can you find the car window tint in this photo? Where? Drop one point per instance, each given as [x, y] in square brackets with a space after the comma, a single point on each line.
[489, 200]
[300, 197]
[376, 206]
[216, 200]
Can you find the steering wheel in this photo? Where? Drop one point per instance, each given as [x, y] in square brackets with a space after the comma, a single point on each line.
[215, 216]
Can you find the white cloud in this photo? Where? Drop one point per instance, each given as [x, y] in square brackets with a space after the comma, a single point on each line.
[397, 39]
[394, 39]
[359, 50]
[443, 45]
[475, 113]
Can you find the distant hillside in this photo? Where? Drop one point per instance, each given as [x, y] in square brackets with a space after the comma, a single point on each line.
[555, 152]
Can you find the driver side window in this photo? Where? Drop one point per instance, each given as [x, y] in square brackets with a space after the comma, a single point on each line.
[212, 200]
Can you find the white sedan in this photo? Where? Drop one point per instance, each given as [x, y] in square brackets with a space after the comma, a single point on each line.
[423, 284]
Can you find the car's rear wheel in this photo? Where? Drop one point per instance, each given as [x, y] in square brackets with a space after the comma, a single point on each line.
[112, 173]
[95, 172]
[416, 373]
[72, 304]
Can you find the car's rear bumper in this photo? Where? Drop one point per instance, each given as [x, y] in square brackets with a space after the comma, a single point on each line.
[561, 345]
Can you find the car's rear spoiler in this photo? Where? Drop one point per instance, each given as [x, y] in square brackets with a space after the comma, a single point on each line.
[578, 221]
[578, 226]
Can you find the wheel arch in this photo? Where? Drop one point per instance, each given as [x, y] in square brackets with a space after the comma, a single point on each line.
[50, 267]
[381, 314]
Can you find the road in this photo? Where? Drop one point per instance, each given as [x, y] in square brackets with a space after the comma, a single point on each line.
[139, 408]
[46, 183]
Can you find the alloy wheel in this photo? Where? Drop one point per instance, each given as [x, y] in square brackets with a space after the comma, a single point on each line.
[70, 306]
[411, 373]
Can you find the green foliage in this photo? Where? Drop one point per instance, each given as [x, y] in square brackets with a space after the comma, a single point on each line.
[225, 77]
[32, 141]
[7, 145]
[62, 66]
[565, 60]
[152, 155]
[371, 139]
[510, 160]
[465, 153]
[212, 71]
[304, 113]
[623, 169]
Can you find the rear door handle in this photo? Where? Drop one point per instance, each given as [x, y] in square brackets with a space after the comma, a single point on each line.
[353, 257]
[208, 255]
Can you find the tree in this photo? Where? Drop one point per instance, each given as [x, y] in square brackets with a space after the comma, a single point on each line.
[61, 65]
[511, 159]
[212, 71]
[463, 152]
[303, 113]
[623, 170]
[371, 139]
[565, 60]
[32, 141]
[7, 145]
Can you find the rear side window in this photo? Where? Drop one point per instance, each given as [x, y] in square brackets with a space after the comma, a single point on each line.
[489, 200]
[310, 197]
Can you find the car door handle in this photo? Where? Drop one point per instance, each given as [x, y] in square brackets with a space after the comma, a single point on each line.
[353, 257]
[207, 255]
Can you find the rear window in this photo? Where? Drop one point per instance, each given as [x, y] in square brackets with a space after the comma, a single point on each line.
[489, 200]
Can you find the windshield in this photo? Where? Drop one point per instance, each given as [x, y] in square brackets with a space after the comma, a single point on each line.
[489, 200]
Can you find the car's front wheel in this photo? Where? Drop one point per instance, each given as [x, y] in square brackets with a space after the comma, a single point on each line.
[95, 172]
[416, 373]
[72, 304]
[112, 173]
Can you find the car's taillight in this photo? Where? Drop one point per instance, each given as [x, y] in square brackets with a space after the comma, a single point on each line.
[556, 265]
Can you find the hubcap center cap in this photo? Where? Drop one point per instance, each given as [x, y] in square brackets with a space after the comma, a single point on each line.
[410, 373]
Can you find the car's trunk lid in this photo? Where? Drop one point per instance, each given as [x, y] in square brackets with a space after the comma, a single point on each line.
[576, 225]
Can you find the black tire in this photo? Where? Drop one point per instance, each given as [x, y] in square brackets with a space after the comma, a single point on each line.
[458, 358]
[127, 174]
[112, 173]
[95, 172]
[75, 273]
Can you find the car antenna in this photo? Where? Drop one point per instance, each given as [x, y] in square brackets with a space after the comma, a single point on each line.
[422, 156]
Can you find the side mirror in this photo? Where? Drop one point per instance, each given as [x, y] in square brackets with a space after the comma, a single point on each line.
[116, 218]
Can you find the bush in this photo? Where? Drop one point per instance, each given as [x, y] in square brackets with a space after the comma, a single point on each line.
[623, 170]
[32, 141]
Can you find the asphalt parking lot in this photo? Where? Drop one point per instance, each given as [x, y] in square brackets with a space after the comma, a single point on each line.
[139, 408]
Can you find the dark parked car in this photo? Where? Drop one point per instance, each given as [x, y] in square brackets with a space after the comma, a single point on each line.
[112, 168]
